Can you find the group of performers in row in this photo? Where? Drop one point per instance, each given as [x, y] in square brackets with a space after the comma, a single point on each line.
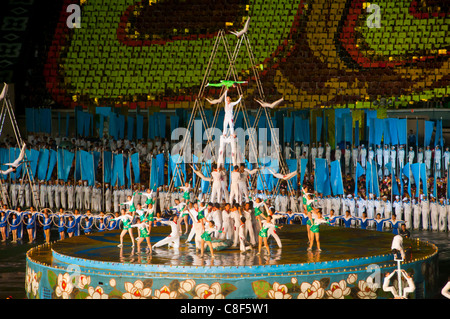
[248, 224]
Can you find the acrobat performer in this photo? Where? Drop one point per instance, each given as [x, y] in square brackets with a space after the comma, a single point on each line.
[315, 230]
[143, 234]
[263, 233]
[228, 119]
[174, 237]
[215, 178]
[126, 219]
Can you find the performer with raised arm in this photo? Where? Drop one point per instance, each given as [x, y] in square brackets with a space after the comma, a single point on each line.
[149, 197]
[126, 219]
[130, 203]
[243, 181]
[263, 233]
[186, 191]
[395, 223]
[216, 182]
[309, 211]
[173, 239]
[347, 219]
[364, 220]
[228, 119]
[315, 230]
[144, 233]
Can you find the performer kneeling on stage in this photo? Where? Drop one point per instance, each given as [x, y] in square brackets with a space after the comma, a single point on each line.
[174, 236]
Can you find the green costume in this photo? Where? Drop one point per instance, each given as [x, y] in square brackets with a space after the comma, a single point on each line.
[144, 233]
[257, 211]
[315, 228]
[228, 84]
[264, 230]
[126, 224]
[206, 236]
[149, 217]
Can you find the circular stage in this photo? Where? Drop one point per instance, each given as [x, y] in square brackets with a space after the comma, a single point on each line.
[352, 264]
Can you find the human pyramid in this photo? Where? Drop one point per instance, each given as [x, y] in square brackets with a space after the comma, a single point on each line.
[212, 224]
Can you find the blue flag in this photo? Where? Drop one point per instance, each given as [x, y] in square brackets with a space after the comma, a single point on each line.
[419, 174]
[292, 165]
[87, 167]
[321, 178]
[154, 176]
[337, 185]
[423, 177]
[51, 164]
[319, 121]
[177, 168]
[406, 171]
[32, 156]
[65, 161]
[42, 164]
[135, 165]
[160, 168]
[107, 160]
[438, 139]
[401, 131]
[139, 126]
[303, 163]
[118, 170]
[429, 127]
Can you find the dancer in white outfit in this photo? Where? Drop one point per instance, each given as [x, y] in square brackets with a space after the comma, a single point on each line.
[215, 178]
[234, 187]
[174, 237]
[126, 219]
[243, 181]
[228, 119]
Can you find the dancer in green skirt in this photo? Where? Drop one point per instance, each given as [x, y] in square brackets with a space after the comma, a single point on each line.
[263, 233]
[315, 230]
[144, 233]
[206, 238]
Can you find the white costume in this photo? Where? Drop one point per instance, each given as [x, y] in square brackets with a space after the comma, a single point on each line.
[407, 211]
[442, 215]
[228, 119]
[425, 213]
[173, 238]
[416, 215]
[234, 187]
